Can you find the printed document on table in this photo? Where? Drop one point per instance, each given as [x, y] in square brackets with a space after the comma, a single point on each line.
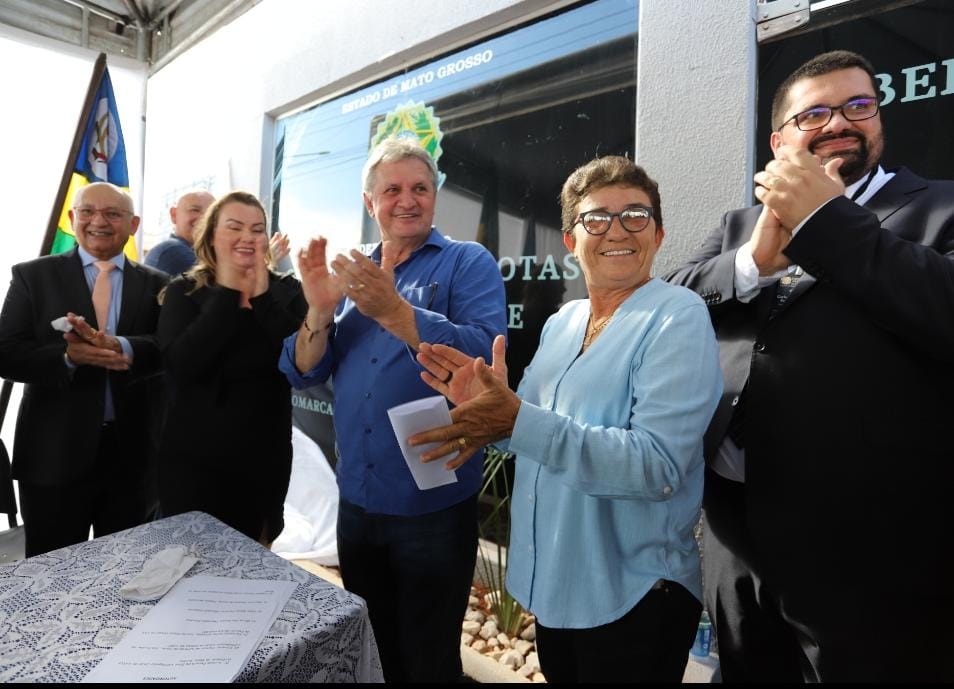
[204, 630]
[414, 417]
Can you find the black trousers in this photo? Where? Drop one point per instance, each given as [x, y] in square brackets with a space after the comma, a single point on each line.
[755, 644]
[650, 643]
[107, 500]
[848, 623]
[415, 574]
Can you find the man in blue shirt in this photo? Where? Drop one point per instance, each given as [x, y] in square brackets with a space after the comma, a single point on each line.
[409, 553]
[175, 255]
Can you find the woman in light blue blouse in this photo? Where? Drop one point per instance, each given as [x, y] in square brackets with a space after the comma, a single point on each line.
[607, 427]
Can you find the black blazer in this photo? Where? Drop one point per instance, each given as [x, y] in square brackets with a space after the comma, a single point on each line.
[850, 388]
[62, 411]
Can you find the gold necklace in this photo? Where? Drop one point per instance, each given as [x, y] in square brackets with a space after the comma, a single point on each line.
[593, 329]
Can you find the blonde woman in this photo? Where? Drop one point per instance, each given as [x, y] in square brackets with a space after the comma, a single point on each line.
[226, 447]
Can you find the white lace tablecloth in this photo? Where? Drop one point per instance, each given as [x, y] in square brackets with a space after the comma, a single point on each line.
[60, 612]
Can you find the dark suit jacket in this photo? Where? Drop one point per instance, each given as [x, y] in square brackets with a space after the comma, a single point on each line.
[61, 411]
[850, 395]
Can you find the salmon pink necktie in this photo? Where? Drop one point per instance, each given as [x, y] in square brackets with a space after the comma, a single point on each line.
[102, 293]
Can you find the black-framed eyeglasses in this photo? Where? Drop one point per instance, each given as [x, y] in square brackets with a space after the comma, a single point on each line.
[112, 215]
[815, 118]
[632, 219]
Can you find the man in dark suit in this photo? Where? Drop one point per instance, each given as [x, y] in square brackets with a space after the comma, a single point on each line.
[81, 449]
[827, 544]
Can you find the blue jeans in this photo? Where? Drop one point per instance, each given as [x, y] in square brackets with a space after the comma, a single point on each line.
[415, 574]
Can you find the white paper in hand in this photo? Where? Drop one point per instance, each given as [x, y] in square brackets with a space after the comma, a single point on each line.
[414, 417]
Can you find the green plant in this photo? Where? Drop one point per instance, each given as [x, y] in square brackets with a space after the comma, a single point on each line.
[495, 532]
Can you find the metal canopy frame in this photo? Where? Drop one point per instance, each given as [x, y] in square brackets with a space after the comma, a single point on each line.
[151, 31]
[777, 19]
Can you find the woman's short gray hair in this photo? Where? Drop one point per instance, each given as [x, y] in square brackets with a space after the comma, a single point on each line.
[392, 150]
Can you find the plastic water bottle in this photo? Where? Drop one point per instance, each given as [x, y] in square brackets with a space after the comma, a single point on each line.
[700, 648]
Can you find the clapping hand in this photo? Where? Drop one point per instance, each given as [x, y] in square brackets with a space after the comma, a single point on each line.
[454, 374]
[796, 183]
[769, 240]
[87, 346]
[323, 290]
[248, 277]
[278, 248]
[368, 285]
[488, 408]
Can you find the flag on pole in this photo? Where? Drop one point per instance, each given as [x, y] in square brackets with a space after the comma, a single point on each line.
[98, 155]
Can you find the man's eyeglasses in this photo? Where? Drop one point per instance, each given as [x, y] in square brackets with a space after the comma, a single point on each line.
[816, 118]
[112, 215]
[633, 219]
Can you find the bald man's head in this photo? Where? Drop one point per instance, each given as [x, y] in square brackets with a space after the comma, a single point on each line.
[188, 209]
[103, 219]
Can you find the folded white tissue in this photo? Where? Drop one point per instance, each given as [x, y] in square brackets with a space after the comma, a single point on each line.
[62, 324]
[159, 574]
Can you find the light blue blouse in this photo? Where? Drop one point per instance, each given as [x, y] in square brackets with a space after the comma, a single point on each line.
[609, 469]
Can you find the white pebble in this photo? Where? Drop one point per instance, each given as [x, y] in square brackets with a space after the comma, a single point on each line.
[503, 639]
[474, 616]
[488, 630]
[479, 645]
[533, 660]
[511, 659]
[466, 639]
[471, 627]
[523, 647]
[530, 633]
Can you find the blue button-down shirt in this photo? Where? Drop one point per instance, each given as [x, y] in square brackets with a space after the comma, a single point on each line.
[457, 294]
[608, 480]
[90, 272]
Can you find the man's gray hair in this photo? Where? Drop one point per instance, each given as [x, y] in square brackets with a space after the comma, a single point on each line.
[391, 150]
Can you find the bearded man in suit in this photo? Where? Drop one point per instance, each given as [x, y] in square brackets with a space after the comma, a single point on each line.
[826, 542]
[82, 445]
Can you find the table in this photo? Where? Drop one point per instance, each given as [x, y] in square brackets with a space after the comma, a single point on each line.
[60, 612]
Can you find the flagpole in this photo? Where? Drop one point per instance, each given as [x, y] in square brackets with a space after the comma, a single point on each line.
[98, 70]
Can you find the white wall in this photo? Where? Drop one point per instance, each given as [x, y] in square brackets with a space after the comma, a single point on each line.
[43, 84]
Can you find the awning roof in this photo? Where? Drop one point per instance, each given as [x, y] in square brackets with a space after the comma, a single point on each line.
[153, 31]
